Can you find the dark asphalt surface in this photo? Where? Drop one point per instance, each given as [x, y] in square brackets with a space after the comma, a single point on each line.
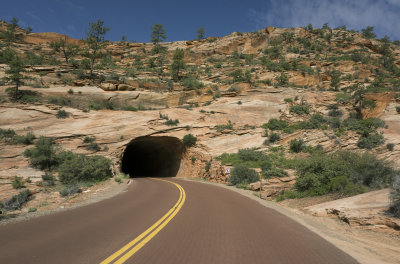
[215, 225]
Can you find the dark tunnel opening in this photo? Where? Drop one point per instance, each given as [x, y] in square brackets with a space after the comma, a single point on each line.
[152, 157]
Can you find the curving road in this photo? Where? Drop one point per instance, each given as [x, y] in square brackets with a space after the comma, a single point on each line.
[207, 224]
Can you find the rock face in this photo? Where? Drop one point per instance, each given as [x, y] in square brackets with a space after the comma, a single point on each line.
[47, 37]
[271, 188]
[368, 210]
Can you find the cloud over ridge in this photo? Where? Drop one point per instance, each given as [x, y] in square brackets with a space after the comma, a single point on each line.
[355, 14]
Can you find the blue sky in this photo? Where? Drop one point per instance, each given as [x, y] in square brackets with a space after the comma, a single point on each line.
[181, 18]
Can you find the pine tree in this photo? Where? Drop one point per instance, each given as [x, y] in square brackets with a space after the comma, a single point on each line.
[66, 49]
[178, 64]
[95, 38]
[157, 36]
[16, 68]
[201, 33]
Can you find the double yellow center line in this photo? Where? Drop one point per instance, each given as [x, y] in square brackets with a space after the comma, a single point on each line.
[132, 247]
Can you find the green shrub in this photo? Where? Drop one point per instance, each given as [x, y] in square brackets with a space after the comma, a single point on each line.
[171, 122]
[17, 183]
[297, 145]
[61, 114]
[93, 146]
[81, 168]
[43, 155]
[276, 124]
[189, 140]
[398, 109]
[208, 166]
[89, 139]
[344, 172]
[334, 111]
[300, 109]
[286, 195]
[370, 141]
[32, 210]
[288, 100]
[26, 140]
[243, 175]
[268, 171]
[250, 154]
[16, 202]
[274, 137]
[221, 128]
[395, 196]
[9, 136]
[48, 179]
[390, 146]
[6, 134]
[192, 83]
[70, 190]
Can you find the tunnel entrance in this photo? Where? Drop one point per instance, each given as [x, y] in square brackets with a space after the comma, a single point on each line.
[152, 157]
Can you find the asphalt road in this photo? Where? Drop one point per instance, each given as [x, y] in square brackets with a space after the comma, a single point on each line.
[210, 225]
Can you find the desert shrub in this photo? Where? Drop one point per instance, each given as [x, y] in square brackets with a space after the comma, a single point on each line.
[297, 145]
[390, 146]
[276, 124]
[189, 140]
[398, 109]
[363, 126]
[241, 174]
[61, 114]
[16, 202]
[81, 168]
[171, 122]
[129, 108]
[192, 83]
[48, 179]
[395, 196]
[268, 170]
[26, 140]
[6, 134]
[17, 183]
[288, 100]
[9, 136]
[208, 166]
[221, 128]
[274, 137]
[43, 155]
[370, 141]
[89, 139]
[70, 190]
[334, 111]
[250, 154]
[93, 146]
[344, 172]
[300, 109]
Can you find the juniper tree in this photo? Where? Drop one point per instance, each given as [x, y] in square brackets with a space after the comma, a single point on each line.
[178, 64]
[10, 34]
[368, 32]
[157, 36]
[67, 50]
[95, 38]
[15, 73]
[200, 33]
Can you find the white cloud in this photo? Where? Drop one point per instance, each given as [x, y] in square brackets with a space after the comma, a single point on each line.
[355, 14]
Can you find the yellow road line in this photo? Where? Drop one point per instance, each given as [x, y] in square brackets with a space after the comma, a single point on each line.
[150, 232]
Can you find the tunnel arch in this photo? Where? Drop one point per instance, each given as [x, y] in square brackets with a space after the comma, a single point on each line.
[152, 156]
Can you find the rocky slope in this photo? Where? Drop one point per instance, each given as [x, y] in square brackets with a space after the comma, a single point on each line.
[243, 79]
